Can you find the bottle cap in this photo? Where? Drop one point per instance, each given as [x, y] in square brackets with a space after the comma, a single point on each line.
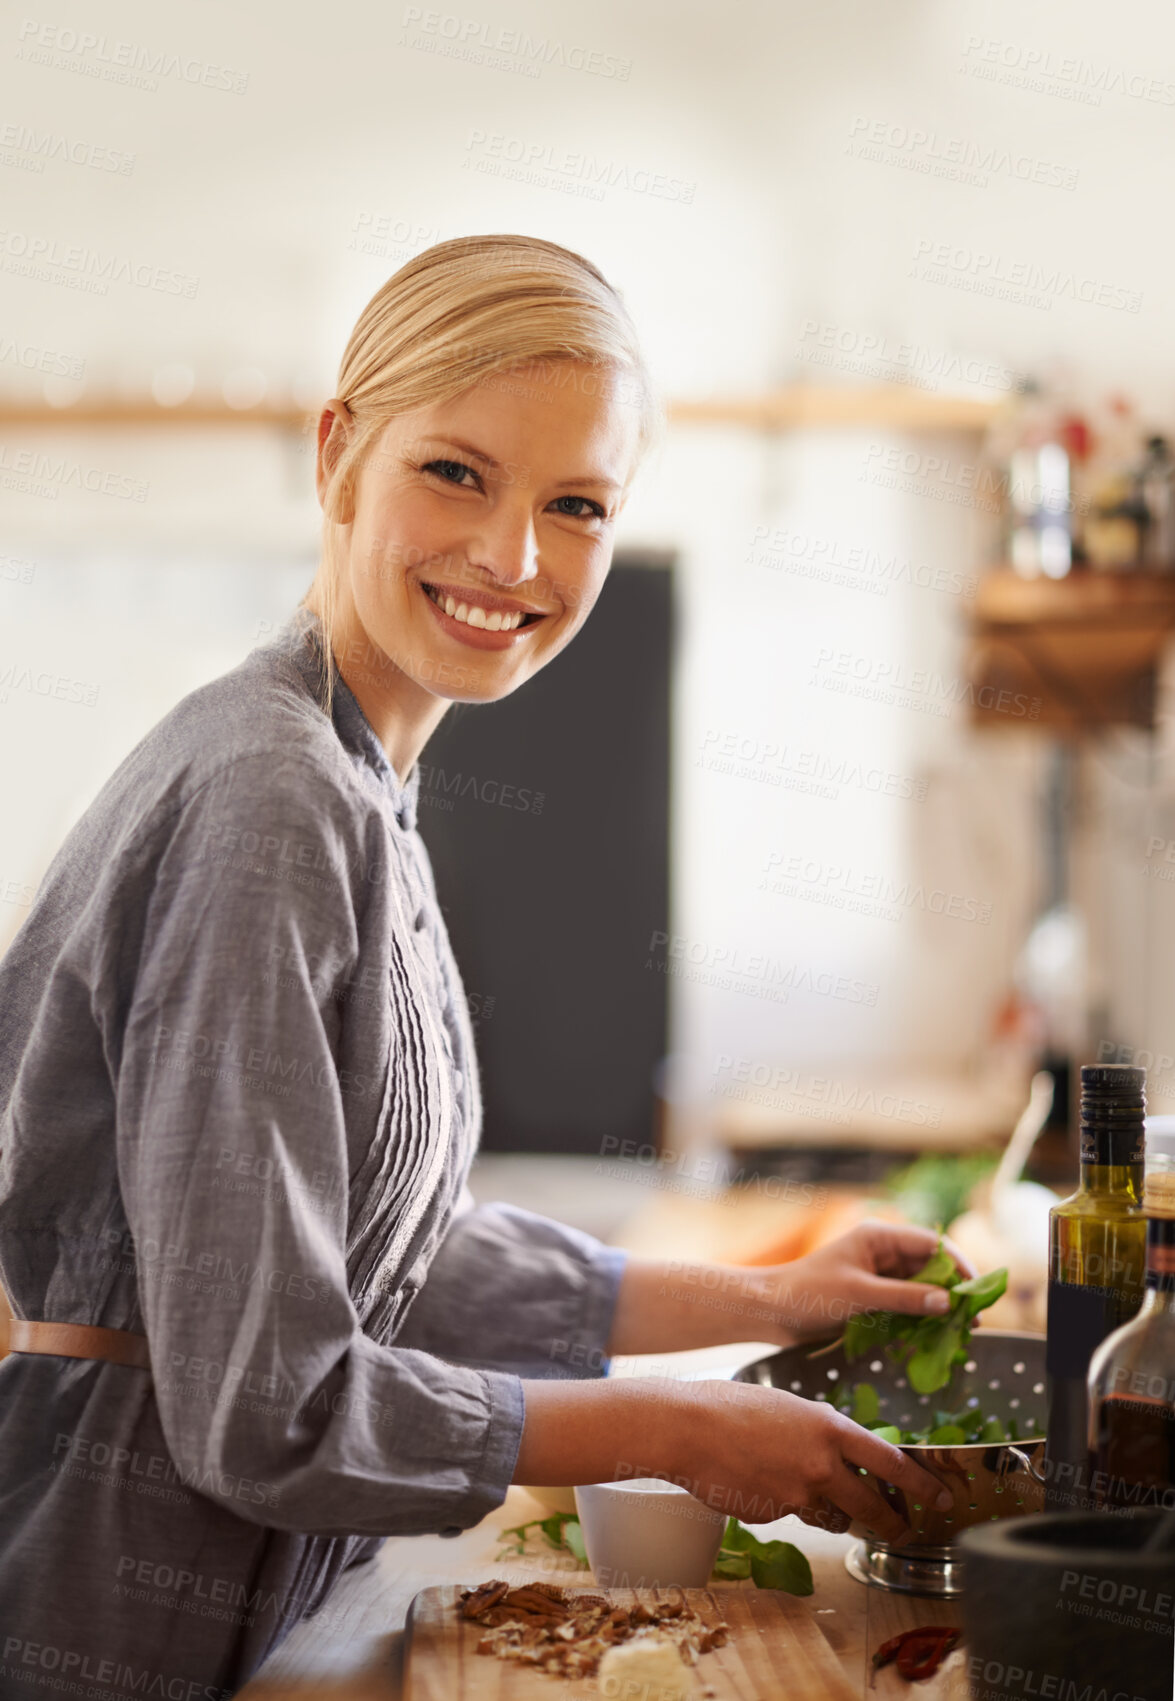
[1113, 1106]
[1113, 1080]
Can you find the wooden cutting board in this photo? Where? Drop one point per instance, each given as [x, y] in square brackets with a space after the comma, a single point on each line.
[775, 1648]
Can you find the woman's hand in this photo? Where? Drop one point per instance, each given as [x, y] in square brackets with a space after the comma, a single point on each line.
[866, 1269]
[761, 1453]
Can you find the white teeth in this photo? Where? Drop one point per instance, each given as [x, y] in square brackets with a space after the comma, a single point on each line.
[472, 614]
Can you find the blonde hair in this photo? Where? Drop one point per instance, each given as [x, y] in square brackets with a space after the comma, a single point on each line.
[454, 314]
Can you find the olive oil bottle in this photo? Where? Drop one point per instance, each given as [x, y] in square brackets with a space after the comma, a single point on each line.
[1097, 1266]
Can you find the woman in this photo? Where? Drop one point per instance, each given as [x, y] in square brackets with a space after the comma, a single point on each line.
[260, 1324]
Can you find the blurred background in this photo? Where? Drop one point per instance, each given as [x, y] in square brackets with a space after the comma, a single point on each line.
[853, 808]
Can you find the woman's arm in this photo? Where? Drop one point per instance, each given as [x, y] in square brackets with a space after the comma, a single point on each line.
[754, 1453]
[674, 1305]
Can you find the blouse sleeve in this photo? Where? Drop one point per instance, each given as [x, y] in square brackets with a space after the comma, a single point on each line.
[517, 1292]
[271, 1399]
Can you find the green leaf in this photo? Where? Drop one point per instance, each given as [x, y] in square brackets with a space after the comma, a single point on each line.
[864, 1405]
[781, 1565]
[993, 1430]
[930, 1367]
[940, 1268]
[573, 1537]
[946, 1435]
[735, 1567]
[982, 1291]
[889, 1432]
[738, 1540]
[867, 1331]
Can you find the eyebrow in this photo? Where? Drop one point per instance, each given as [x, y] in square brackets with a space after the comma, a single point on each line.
[477, 454]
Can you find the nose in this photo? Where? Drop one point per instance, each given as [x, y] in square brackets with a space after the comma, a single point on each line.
[504, 544]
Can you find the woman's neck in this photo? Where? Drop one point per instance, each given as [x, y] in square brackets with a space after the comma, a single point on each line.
[402, 714]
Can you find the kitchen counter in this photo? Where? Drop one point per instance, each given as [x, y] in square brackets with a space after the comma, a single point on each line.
[352, 1650]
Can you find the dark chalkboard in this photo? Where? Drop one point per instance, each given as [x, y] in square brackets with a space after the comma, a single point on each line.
[547, 819]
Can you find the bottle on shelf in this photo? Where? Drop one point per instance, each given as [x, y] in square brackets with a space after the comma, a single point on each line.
[1039, 495]
[1157, 484]
[1132, 1391]
[1097, 1243]
[1112, 510]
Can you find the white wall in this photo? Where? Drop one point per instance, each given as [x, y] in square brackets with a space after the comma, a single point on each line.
[347, 120]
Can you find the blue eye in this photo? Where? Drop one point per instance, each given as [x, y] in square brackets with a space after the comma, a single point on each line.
[594, 508]
[451, 471]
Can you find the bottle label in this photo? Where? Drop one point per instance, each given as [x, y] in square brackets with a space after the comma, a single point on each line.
[1079, 1319]
[1114, 1146]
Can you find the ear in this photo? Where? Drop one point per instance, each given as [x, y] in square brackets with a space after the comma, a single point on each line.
[335, 426]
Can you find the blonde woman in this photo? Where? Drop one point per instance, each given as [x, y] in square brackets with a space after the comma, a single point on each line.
[258, 1324]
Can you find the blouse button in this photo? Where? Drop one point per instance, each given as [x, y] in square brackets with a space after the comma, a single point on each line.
[419, 922]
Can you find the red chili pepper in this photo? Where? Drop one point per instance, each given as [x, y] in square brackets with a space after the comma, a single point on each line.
[919, 1653]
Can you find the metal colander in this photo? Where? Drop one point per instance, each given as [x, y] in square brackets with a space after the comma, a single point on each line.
[990, 1480]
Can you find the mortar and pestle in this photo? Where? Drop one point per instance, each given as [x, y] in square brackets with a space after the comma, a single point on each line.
[1071, 1603]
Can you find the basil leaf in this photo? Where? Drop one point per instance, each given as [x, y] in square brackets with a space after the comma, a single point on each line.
[736, 1539]
[930, 1367]
[735, 1567]
[781, 1565]
[940, 1268]
[889, 1432]
[573, 1537]
[865, 1406]
[946, 1435]
[982, 1291]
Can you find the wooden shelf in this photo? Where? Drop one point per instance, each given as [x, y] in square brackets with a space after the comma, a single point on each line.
[897, 407]
[1082, 651]
[108, 414]
[894, 407]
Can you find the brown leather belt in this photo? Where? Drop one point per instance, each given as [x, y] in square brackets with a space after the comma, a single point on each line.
[79, 1340]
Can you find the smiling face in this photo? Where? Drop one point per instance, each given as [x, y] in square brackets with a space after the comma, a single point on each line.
[482, 532]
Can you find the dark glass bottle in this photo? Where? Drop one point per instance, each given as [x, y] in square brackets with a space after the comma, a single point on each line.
[1132, 1391]
[1097, 1246]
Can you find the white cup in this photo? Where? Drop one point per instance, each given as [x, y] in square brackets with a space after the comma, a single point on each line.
[648, 1532]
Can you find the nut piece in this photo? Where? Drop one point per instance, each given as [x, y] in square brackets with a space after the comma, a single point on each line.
[485, 1595]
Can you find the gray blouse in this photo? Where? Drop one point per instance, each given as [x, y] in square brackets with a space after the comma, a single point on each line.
[238, 1104]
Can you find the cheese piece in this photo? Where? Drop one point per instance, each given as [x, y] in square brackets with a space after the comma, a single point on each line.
[649, 1667]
